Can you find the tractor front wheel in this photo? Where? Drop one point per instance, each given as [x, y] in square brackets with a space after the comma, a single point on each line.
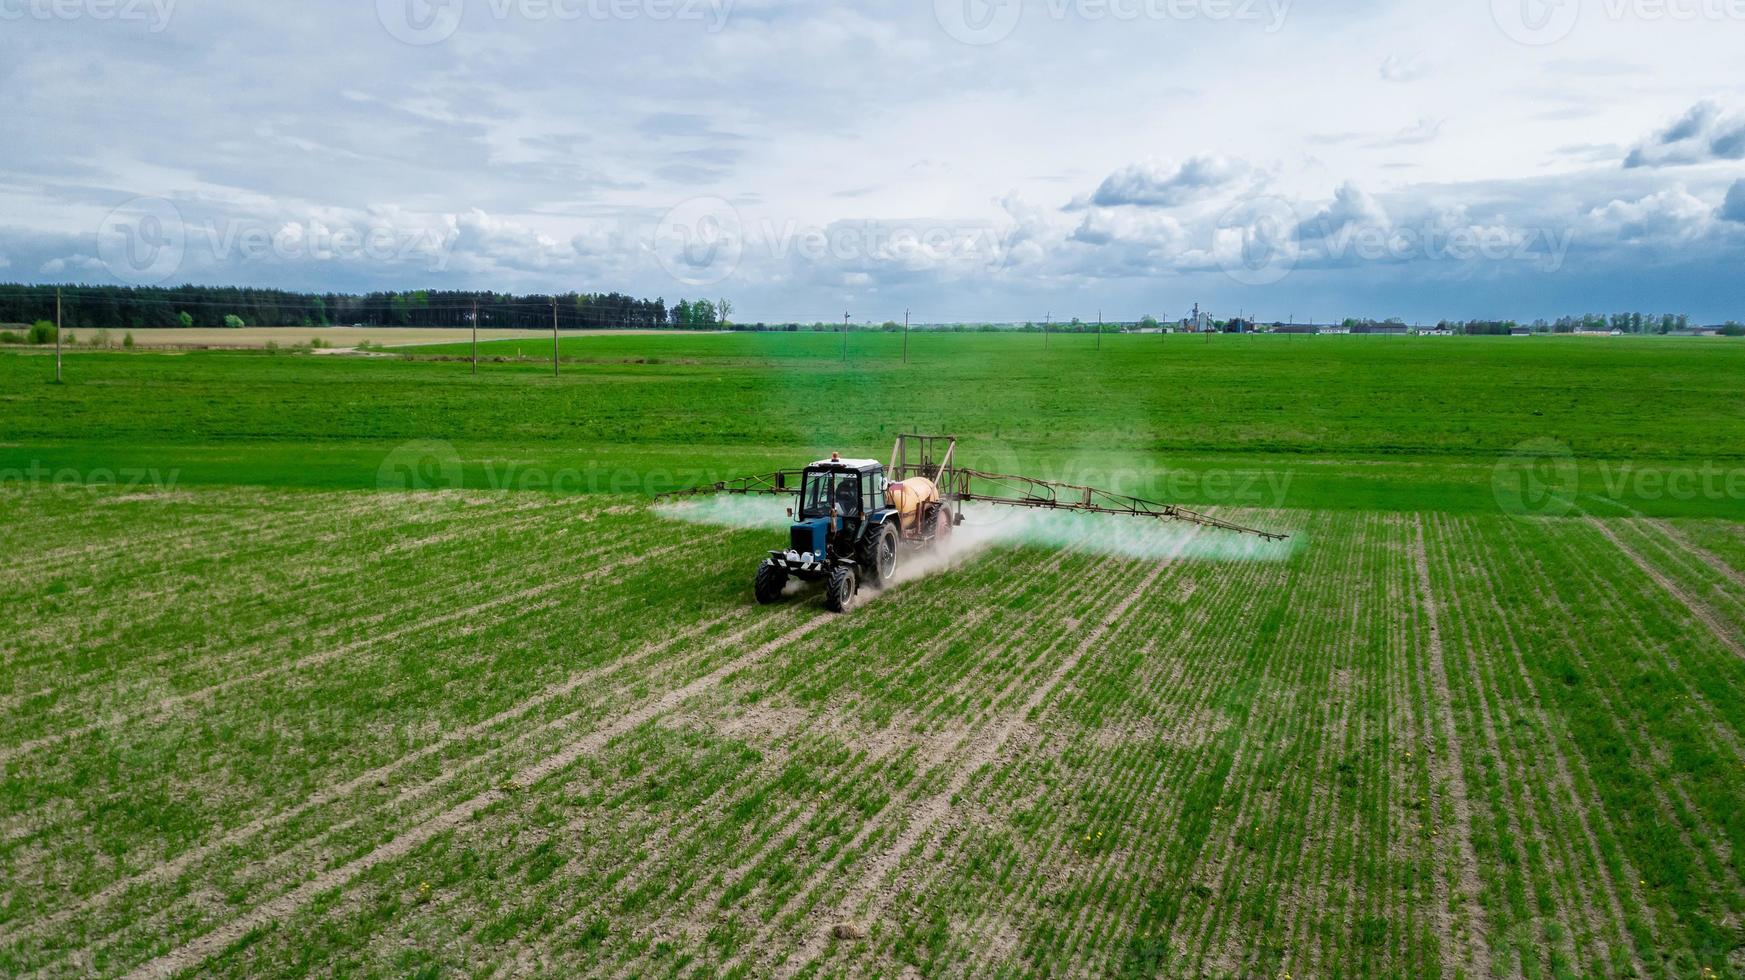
[771, 580]
[839, 594]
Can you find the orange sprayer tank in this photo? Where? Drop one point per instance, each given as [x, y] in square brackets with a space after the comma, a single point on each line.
[908, 497]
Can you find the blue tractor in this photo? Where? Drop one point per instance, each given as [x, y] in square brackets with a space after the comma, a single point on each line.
[851, 527]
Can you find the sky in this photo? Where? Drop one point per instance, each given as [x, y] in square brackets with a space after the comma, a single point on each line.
[997, 160]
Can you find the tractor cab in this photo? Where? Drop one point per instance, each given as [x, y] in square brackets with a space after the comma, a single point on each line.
[836, 497]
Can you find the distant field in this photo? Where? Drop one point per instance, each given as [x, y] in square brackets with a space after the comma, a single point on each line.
[1320, 422]
[254, 338]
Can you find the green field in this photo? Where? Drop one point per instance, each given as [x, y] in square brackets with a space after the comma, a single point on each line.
[321, 665]
[1338, 422]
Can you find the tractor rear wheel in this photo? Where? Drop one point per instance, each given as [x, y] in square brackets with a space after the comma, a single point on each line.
[941, 528]
[881, 557]
[771, 580]
[839, 594]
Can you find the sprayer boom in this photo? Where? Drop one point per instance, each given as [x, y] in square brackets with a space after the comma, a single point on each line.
[970, 486]
[935, 458]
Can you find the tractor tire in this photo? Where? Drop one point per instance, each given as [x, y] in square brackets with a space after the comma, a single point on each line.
[881, 557]
[771, 580]
[839, 594]
[941, 529]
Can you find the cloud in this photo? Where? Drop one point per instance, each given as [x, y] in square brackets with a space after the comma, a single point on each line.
[1425, 130]
[1408, 68]
[1352, 208]
[1733, 209]
[1704, 133]
[1158, 185]
[1672, 215]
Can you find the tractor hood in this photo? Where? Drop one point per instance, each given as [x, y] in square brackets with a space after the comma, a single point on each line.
[807, 537]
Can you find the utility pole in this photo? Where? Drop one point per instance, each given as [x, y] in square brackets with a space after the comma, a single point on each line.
[905, 336]
[1047, 325]
[1099, 330]
[554, 372]
[475, 338]
[57, 335]
[845, 338]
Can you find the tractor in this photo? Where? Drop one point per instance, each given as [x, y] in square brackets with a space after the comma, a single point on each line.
[856, 520]
[853, 526]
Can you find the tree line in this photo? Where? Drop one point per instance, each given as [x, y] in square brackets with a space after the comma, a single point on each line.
[150, 307]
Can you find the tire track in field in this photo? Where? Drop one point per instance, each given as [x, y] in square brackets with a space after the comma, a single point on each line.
[204, 947]
[1518, 812]
[795, 818]
[330, 560]
[1453, 768]
[1707, 557]
[1696, 607]
[805, 812]
[936, 753]
[993, 934]
[986, 748]
[1676, 808]
[207, 652]
[1601, 875]
[1000, 924]
[162, 707]
[25, 822]
[1315, 644]
[284, 861]
[163, 606]
[331, 794]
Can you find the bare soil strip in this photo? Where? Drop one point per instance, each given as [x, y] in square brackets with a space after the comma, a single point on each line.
[984, 750]
[195, 952]
[1697, 607]
[1452, 769]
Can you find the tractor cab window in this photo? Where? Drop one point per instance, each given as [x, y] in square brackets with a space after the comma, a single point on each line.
[825, 490]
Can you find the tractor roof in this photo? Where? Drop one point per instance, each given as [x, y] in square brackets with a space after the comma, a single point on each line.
[858, 465]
